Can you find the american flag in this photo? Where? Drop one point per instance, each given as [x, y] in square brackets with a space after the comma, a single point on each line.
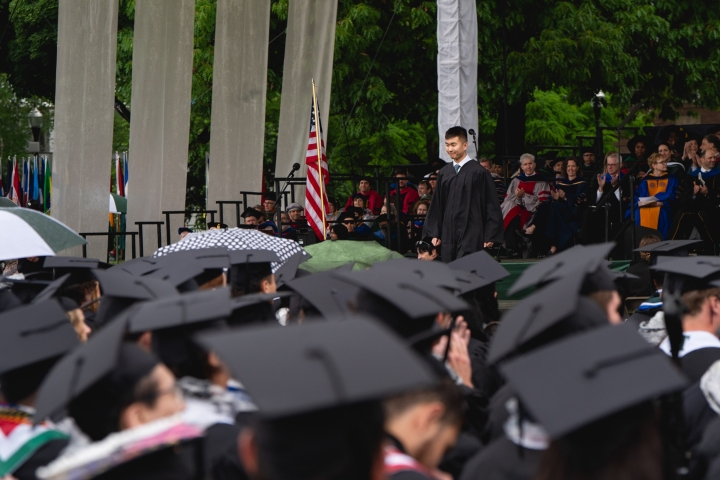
[314, 210]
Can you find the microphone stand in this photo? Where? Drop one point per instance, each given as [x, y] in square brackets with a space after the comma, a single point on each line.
[278, 212]
[472, 132]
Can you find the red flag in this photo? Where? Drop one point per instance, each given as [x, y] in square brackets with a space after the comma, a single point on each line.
[316, 201]
[16, 192]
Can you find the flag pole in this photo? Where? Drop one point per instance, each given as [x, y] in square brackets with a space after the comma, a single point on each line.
[318, 141]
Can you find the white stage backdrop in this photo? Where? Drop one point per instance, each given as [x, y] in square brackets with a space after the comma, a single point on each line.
[457, 35]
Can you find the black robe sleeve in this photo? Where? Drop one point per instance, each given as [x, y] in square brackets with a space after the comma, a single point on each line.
[434, 218]
[492, 217]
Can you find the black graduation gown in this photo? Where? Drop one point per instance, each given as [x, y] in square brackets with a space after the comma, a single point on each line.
[698, 211]
[697, 415]
[696, 363]
[497, 414]
[464, 212]
[643, 286]
[502, 460]
[180, 462]
[705, 460]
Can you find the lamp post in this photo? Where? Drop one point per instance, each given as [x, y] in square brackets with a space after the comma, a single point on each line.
[598, 102]
[35, 121]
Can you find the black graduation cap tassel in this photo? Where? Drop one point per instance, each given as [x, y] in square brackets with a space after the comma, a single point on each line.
[673, 309]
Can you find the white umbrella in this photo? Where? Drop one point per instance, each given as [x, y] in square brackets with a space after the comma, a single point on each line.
[29, 233]
[237, 239]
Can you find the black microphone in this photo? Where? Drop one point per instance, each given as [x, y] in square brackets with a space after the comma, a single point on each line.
[471, 132]
[296, 167]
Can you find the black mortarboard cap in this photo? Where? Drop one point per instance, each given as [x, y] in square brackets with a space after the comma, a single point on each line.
[695, 272]
[50, 291]
[541, 311]
[8, 300]
[119, 291]
[436, 273]
[26, 290]
[585, 258]
[331, 296]
[138, 266]
[668, 248]
[32, 333]
[584, 378]
[184, 229]
[270, 196]
[78, 268]
[188, 269]
[251, 212]
[384, 218]
[481, 264]
[415, 298]
[254, 308]
[354, 210]
[190, 308]
[217, 225]
[80, 369]
[320, 365]
[248, 266]
[288, 270]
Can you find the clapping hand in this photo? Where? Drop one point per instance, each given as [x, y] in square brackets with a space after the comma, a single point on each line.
[520, 193]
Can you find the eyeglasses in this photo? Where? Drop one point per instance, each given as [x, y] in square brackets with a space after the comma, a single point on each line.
[664, 162]
[348, 222]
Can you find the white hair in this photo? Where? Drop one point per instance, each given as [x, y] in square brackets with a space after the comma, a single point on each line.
[527, 156]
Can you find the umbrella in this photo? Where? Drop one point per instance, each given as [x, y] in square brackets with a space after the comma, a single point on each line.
[28, 233]
[118, 203]
[237, 239]
[6, 202]
[334, 254]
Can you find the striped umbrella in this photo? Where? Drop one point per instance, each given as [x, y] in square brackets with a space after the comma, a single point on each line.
[29, 233]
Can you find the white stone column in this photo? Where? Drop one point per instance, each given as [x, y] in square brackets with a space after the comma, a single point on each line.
[84, 99]
[237, 132]
[160, 113]
[309, 49]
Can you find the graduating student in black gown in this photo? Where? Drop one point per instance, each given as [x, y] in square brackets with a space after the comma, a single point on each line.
[464, 215]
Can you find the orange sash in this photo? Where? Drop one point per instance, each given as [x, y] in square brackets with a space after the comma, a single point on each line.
[649, 216]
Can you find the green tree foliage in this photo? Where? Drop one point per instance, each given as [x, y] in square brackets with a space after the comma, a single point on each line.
[14, 133]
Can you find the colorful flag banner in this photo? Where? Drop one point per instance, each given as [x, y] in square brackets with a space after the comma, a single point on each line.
[316, 201]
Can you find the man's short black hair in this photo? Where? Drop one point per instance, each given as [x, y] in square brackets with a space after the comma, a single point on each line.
[456, 132]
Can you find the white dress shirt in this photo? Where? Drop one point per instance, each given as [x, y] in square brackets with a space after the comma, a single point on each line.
[462, 162]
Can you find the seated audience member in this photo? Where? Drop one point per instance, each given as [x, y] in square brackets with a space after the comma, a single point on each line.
[373, 200]
[183, 232]
[425, 190]
[408, 195]
[674, 137]
[588, 168]
[268, 228]
[269, 204]
[286, 227]
[640, 149]
[295, 212]
[558, 167]
[252, 216]
[643, 286]
[339, 232]
[427, 251]
[387, 235]
[524, 196]
[432, 180]
[360, 231]
[655, 196]
[421, 427]
[710, 142]
[691, 157]
[332, 211]
[602, 192]
[497, 179]
[699, 198]
[568, 203]
[419, 212]
[675, 167]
